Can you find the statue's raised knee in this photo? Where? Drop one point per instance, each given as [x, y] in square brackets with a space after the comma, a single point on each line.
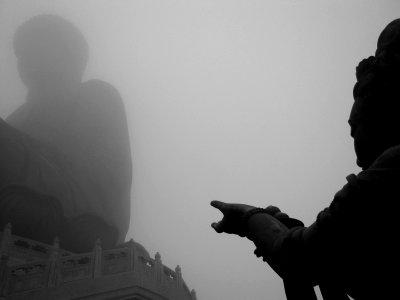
[32, 215]
[40, 217]
[13, 160]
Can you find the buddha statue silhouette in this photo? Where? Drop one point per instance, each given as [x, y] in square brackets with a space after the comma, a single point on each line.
[65, 161]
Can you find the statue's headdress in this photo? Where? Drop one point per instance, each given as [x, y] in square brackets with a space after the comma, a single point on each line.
[378, 77]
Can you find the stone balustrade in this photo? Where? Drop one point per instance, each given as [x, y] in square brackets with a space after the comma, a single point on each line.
[53, 267]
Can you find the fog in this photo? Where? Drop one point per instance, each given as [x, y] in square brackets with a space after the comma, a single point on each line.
[240, 101]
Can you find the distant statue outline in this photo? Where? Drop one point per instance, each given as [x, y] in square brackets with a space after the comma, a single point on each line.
[353, 246]
[65, 160]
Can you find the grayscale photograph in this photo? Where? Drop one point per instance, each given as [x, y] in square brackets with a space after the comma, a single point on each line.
[199, 149]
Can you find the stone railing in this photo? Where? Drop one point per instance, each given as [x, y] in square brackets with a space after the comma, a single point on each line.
[27, 277]
[57, 267]
[23, 249]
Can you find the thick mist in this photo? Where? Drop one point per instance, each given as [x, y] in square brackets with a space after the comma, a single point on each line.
[240, 101]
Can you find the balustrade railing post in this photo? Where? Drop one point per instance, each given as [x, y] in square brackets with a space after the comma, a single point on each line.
[132, 253]
[97, 265]
[178, 273]
[53, 270]
[6, 241]
[5, 245]
[193, 294]
[3, 274]
[159, 268]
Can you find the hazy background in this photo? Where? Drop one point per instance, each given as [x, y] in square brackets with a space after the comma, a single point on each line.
[242, 101]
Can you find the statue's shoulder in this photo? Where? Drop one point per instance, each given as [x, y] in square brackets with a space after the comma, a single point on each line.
[97, 85]
[389, 159]
[99, 100]
[98, 92]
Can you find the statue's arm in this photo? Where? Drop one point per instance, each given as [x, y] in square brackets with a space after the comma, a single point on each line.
[102, 149]
[314, 253]
[99, 131]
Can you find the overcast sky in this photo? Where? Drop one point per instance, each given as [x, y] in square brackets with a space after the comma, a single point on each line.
[241, 101]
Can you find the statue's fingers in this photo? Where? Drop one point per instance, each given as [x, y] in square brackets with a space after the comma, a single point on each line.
[218, 205]
[218, 226]
[258, 252]
[272, 210]
[281, 215]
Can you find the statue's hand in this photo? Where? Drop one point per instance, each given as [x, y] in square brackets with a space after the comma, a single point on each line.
[283, 217]
[232, 220]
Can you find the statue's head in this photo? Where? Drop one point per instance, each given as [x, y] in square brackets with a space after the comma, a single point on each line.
[375, 116]
[51, 53]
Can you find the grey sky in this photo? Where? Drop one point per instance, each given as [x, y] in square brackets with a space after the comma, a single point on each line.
[241, 101]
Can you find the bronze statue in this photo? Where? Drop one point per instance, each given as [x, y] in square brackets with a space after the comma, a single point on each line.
[352, 248]
[65, 161]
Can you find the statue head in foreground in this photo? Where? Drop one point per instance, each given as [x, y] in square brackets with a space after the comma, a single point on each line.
[374, 118]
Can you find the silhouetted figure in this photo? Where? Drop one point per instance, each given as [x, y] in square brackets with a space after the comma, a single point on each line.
[65, 162]
[353, 245]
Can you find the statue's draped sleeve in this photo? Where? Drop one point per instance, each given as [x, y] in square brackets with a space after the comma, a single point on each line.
[353, 243]
[98, 156]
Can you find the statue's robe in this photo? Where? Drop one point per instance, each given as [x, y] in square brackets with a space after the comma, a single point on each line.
[74, 149]
[354, 243]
